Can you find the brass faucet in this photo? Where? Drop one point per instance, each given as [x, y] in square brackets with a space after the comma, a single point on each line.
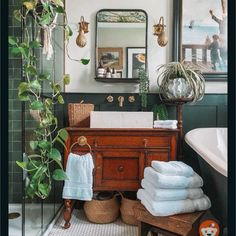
[121, 100]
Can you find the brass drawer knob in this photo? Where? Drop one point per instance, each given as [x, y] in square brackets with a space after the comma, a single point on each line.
[120, 168]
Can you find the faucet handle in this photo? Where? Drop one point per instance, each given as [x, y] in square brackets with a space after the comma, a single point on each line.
[121, 100]
[131, 98]
[109, 98]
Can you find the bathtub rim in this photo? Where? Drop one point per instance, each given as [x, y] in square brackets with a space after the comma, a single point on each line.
[199, 149]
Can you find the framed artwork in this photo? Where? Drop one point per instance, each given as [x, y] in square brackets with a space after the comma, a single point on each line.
[200, 36]
[136, 57]
[111, 57]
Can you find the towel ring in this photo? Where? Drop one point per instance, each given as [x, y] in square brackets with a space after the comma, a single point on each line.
[82, 141]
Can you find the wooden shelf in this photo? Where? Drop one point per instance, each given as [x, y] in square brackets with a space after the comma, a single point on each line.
[117, 80]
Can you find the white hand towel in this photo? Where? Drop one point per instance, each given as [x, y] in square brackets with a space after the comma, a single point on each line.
[79, 169]
[162, 194]
[165, 122]
[165, 126]
[167, 208]
[166, 181]
[172, 168]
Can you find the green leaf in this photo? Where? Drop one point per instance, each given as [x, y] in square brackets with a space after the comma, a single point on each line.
[48, 102]
[56, 156]
[31, 189]
[56, 88]
[58, 3]
[85, 61]
[61, 142]
[12, 40]
[31, 70]
[60, 99]
[44, 76]
[23, 87]
[35, 85]
[44, 189]
[15, 51]
[68, 32]
[34, 44]
[33, 145]
[63, 134]
[59, 174]
[46, 19]
[60, 10]
[24, 51]
[22, 164]
[41, 169]
[45, 144]
[66, 79]
[36, 105]
[17, 15]
[24, 97]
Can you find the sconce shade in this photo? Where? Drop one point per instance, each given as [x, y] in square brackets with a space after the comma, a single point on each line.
[81, 40]
[162, 39]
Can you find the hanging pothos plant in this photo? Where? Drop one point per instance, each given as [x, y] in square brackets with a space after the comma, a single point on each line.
[46, 134]
[143, 87]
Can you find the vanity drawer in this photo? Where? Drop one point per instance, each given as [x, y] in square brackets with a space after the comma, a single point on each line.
[132, 141]
[120, 169]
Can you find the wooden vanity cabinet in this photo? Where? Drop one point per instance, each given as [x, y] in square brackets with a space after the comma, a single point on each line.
[120, 155]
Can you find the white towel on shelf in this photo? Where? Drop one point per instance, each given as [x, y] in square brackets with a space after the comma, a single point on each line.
[172, 168]
[167, 208]
[162, 194]
[79, 170]
[165, 122]
[165, 126]
[166, 181]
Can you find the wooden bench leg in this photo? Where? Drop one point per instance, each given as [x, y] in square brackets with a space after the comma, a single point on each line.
[67, 212]
[143, 229]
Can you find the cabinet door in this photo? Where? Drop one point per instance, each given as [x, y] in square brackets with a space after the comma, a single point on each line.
[118, 169]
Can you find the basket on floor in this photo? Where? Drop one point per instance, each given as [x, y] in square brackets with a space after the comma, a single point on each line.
[102, 211]
[79, 114]
[127, 212]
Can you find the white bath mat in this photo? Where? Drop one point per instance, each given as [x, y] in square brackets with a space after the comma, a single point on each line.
[80, 226]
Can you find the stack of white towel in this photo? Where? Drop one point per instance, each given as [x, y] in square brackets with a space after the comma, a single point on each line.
[171, 188]
[167, 124]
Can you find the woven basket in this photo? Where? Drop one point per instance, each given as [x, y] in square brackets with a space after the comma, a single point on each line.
[127, 212]
[79, 114]
[102, 211]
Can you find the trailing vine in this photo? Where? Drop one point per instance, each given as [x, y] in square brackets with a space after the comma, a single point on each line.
[143, 87]
[43, 151]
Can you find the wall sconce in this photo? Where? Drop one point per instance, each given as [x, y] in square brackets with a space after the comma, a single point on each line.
[81, 40]
[159, 31]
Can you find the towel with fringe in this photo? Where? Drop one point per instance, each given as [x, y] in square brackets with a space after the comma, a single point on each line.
[162, 194]
[79, 170]
[172, 168]
[166, 181]
[167, 208]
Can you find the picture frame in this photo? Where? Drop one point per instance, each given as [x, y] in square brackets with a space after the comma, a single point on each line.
[111, 57]
[193, 36]
[135, 60]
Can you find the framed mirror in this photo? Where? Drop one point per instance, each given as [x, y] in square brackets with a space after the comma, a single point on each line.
[121, 45]
[200, 36]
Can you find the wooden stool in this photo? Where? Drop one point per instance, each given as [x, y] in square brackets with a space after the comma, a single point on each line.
[182, 224]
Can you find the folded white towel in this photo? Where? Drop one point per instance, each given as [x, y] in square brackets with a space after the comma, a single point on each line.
[167, 208]
[172, 168]
[165, 126]
[163, 194]
[165, 122]
[79, 169]
[166, 181]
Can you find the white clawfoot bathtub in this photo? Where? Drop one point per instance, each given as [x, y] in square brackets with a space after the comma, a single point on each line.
[211, 146]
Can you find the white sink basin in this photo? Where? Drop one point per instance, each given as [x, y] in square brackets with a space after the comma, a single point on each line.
[121, 119]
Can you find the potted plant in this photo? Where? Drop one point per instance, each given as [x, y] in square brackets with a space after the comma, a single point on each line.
[143, 87]
[44, 154]
[177, 80]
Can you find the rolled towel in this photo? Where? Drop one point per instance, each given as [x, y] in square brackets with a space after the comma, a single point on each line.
[162, 194]
[167, 208]
[165, 122]
[166, 181]
[165, 126]
[172, 168]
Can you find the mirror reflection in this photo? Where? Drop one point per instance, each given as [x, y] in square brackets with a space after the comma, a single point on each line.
[121, 43]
